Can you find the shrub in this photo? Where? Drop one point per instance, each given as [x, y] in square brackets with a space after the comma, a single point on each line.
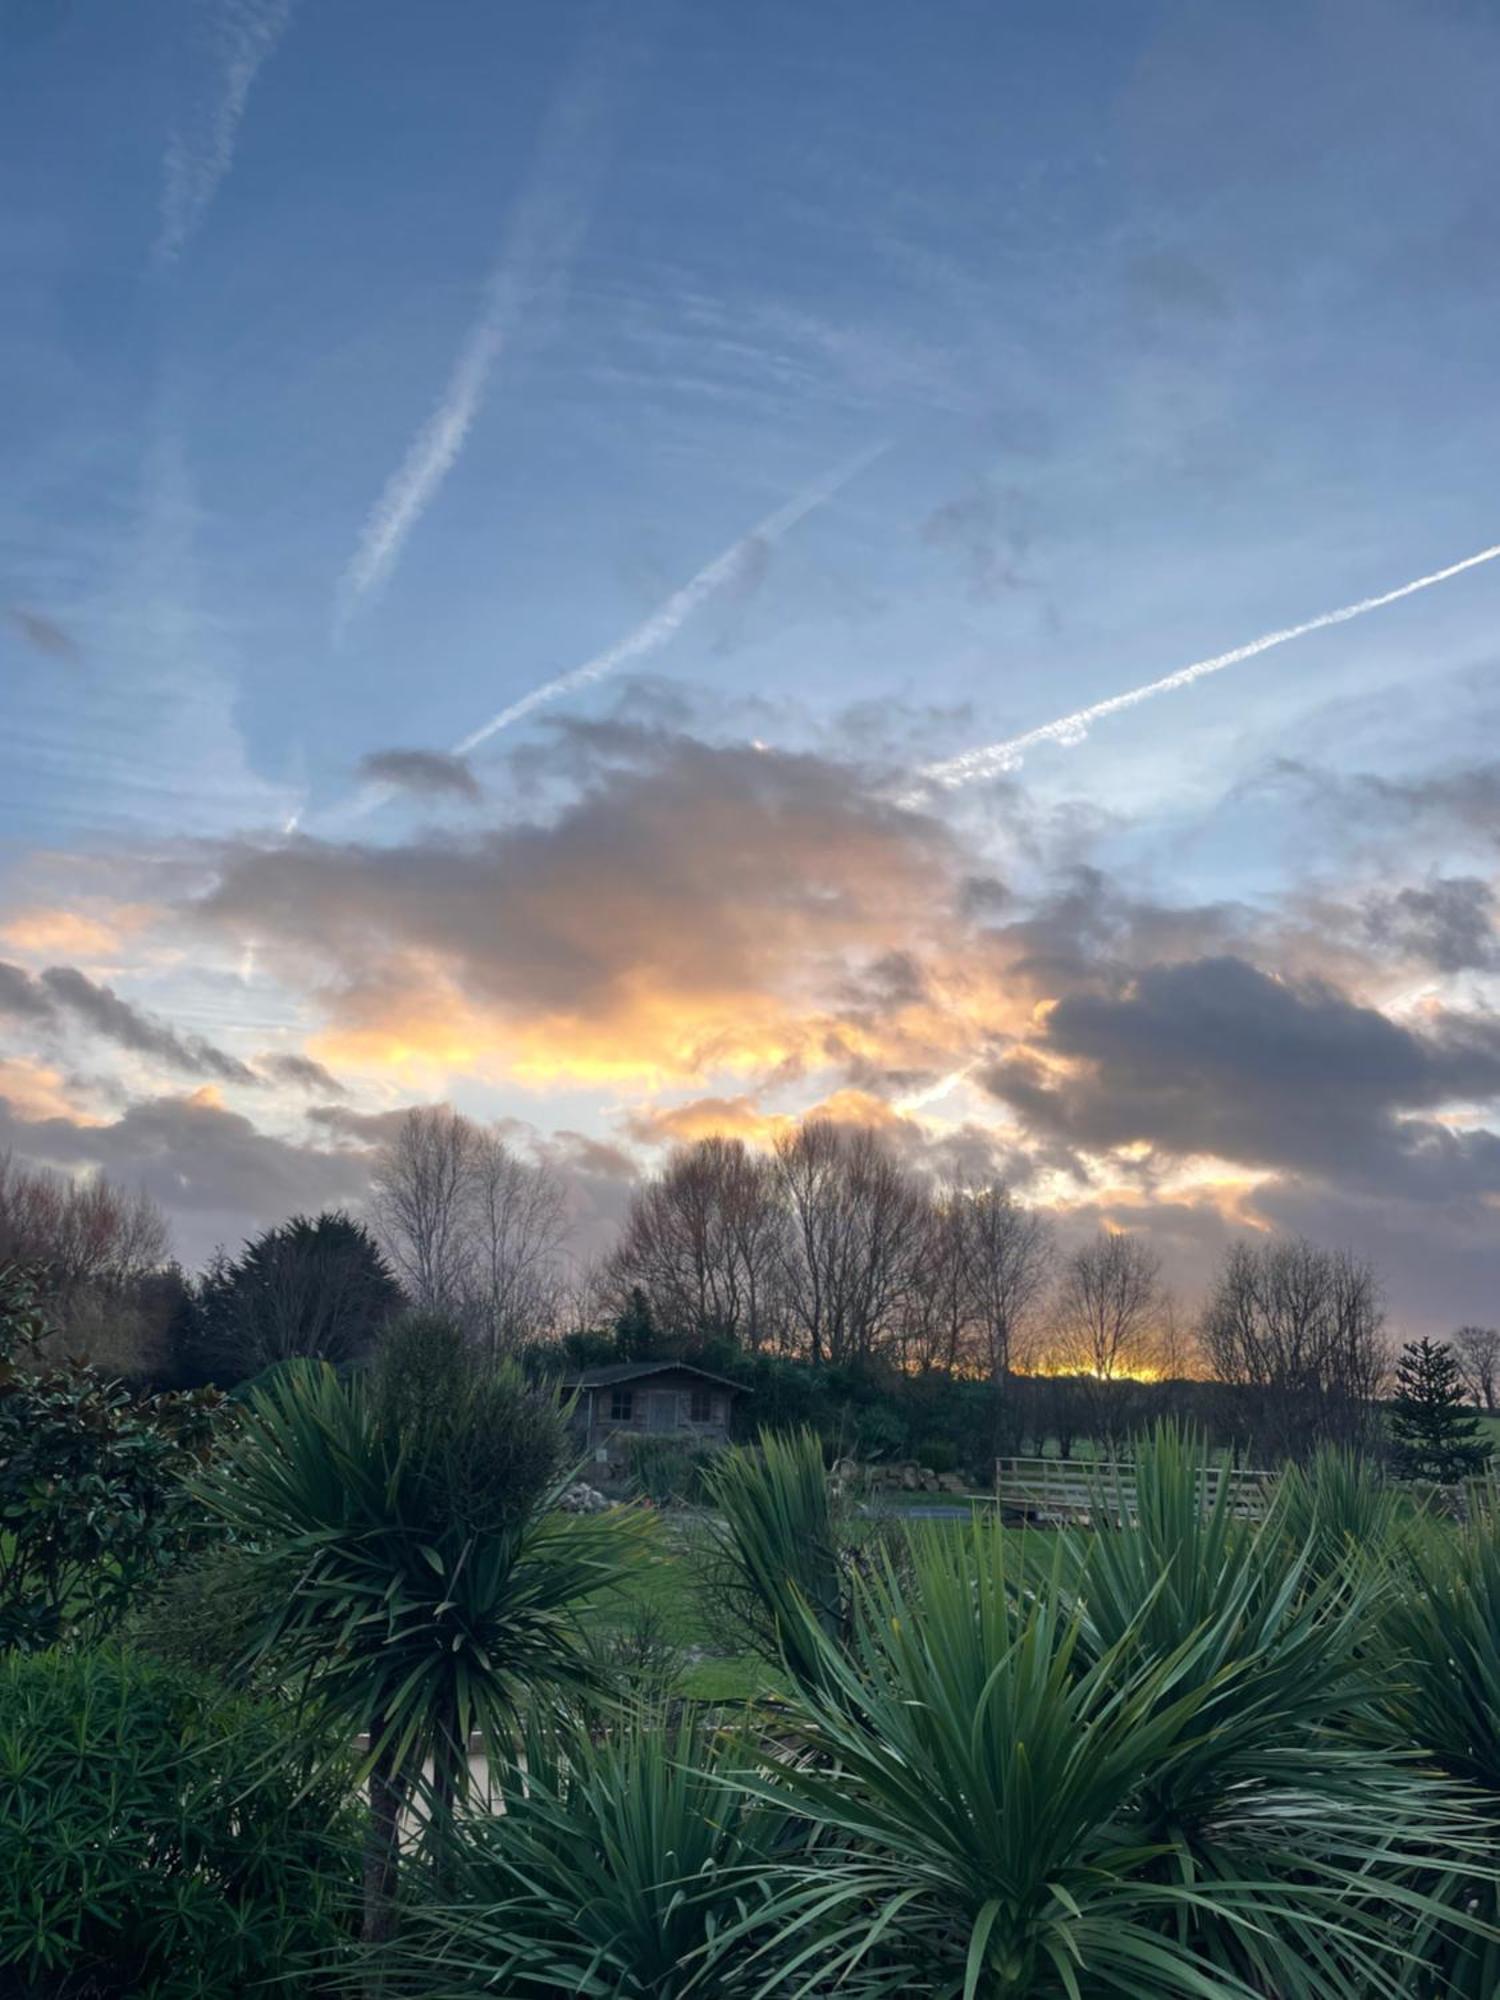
[666, 1470]
[937, 1454]
[94, 1505]
[161, 1838]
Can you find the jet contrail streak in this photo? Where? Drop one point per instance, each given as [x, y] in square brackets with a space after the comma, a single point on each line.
[246, 33]
[993, 758]
[669, 617]
[545, 229]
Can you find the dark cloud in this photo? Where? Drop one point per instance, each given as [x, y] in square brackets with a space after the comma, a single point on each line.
[1449, 924]
[214, 1172]
[1215, 1057]
[299, 1071]
[21, 997]
[44, 634]
[360, 1128]
[429, 773]
[102, 1009]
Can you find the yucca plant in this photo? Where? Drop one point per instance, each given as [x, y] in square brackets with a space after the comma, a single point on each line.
[624, 1868]
[1441, 1695]
[418, 1584]
[1339, 1508]
[987, 1777]
[1276, 1621]
[788, 1548]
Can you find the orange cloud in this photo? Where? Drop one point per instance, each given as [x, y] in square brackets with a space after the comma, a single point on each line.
[34, 1091]
[73, 934]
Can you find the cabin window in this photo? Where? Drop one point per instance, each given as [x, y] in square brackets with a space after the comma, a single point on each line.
[621, 1405]
[701, 1406]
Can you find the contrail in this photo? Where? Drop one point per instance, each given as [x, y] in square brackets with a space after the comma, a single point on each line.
[993, 758]
[541, 240]
[673, 613]
[246, 33]
[652, 633]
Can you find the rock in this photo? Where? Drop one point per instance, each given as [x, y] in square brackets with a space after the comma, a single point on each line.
[583, 1499]
[950, 1482]
[910, 1478]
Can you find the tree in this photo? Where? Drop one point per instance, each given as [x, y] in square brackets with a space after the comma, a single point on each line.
[314, 1286]
[472, 1229]
[98, 1258]
[1477, 1350]
[418, 1583]
[1301, 1329]
[1106, 1307]
[94, 1502]
[635, 1328]
[1434, 1435]
[420, 1192]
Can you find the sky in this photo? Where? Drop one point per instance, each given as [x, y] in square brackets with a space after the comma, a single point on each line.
[516, 521]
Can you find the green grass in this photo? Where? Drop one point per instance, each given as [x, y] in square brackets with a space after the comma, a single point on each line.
[670, 1586]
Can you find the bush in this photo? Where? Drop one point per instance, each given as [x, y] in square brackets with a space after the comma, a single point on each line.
[160, 1838]
[937, 1454]
[666, 1470]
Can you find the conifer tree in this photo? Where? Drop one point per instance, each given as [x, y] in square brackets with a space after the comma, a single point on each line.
[1436, 1436]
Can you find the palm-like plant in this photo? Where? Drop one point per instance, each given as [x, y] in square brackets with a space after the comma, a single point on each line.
[615, 1870]
[418, 1584]
[788, 1547]
[995, 1778]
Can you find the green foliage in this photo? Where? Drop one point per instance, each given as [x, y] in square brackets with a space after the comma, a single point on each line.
[1434, 1434]
[160, 1838]
[789, 1549]
[636, 1335]
[615, 1872]
[987, 1776]
[94, 1505]
[417, 1582]
[666, 1470]
[937, 1454]
[205, 1616]
[1339, 1509]
[315, 1285]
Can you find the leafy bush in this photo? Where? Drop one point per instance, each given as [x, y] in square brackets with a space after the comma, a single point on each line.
[879, 1432]
[160, 1838]
[937, 1454]
[205, 1616]
[667, 1470]
[94, 1502]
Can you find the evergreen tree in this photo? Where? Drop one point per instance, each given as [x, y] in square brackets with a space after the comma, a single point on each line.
[314, 1286]
[635, 1329]
[1436, 1435]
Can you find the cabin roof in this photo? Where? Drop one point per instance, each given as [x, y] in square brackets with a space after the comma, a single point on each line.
[635, 1371]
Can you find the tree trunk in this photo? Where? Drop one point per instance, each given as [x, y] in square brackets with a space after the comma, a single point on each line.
[382, 1848]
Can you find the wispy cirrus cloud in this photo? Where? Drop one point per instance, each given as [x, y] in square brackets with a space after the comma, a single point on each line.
[546, 225]
[244, 35]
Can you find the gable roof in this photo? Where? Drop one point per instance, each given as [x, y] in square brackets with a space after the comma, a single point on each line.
[632, 1371]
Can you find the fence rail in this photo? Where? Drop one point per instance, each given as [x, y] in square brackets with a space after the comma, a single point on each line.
[1056, 1492]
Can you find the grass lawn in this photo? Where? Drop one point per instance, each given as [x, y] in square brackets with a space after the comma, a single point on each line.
[669, 1589]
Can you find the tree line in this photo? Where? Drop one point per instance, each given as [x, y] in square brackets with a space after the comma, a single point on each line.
[825, 1250]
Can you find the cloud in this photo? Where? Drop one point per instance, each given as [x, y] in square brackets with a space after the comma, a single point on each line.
[44, 635]
[100, 1008]
[981, 527]
[428, 773]
[1215, 1058]
[217, 1175]
[545, 228]
[695, 906]
[244, 35]
[1449, 924]
[299, 1071]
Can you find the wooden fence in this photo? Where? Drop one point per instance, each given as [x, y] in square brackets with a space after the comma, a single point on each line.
[1056, 1492]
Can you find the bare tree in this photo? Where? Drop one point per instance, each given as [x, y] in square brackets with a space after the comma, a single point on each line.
[100, 1255]
[1009, 1255]
[516, 1219]
[857, 1224]
[421, 1194]
[1301, 1328]
[702, 1241]
[1478, 1352]
[1106, 1307]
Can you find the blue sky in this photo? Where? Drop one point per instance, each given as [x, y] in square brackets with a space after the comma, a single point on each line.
[364, 367]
